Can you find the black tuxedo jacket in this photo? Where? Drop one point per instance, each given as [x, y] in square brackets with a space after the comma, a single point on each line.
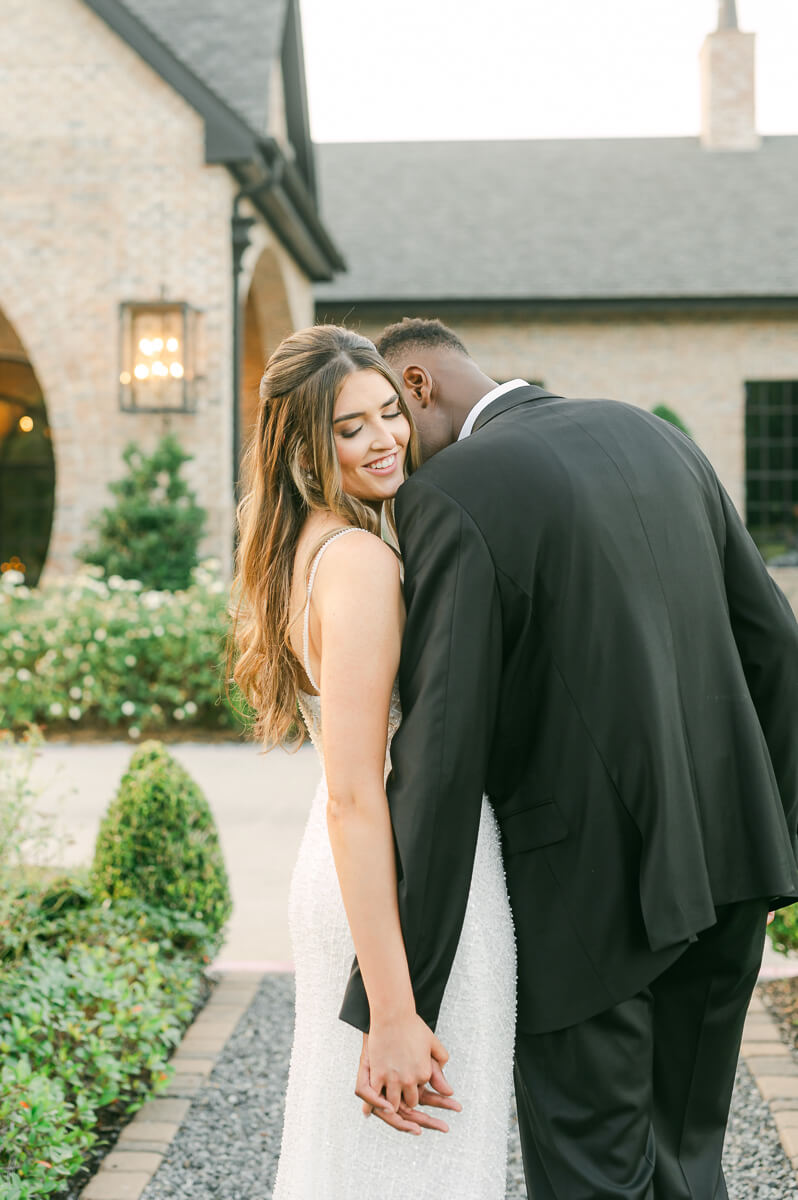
[594, 641]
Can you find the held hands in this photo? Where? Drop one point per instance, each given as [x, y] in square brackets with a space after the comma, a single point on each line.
[403, 1059]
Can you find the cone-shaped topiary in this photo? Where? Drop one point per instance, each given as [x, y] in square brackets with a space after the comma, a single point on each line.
[158, 842]
[152, 532]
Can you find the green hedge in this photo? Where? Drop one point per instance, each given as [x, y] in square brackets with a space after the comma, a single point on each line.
[84, 652]
[88, 1019]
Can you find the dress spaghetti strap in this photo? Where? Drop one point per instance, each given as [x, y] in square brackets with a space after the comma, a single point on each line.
[306, 624]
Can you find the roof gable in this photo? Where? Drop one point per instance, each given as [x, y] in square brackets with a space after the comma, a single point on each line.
[229, 44]
[218, 55]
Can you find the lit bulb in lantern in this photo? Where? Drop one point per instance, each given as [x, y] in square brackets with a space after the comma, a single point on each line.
[172, 344]
[125, 377]
[141, 371]
[159, 369]
[26, 424]
[176, 370]
[145, 346]
[157, 344]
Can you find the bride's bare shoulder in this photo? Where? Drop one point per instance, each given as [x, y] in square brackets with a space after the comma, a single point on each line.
[359, 557]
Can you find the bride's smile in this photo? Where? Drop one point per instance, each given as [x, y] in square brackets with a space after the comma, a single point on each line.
[371, 436]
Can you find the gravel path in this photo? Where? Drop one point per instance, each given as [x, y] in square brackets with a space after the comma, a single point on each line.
[227, 1147]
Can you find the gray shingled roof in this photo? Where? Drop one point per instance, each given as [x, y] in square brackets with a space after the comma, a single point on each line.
[229, 44]
[561, 219]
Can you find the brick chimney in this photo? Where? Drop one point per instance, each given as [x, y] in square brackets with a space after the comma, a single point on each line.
[728, 120]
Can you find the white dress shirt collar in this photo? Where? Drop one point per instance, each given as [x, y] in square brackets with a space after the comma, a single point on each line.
[485, 401]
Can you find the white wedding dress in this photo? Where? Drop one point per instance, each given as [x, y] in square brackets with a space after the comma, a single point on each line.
[330, 1151]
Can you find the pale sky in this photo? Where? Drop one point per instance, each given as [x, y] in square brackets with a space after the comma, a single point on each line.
[408, 70]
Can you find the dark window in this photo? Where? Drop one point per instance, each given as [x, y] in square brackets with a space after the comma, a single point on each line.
[771, 468]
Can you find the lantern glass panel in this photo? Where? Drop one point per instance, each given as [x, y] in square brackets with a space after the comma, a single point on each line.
[157, 369]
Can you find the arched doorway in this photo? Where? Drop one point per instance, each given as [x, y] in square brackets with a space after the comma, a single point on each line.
[27, 465]
[267, 320]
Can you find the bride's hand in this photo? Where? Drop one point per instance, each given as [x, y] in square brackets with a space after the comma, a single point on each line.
[396, 1043]
[400, 1054]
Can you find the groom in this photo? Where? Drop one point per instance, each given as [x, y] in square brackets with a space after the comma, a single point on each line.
[593, 640]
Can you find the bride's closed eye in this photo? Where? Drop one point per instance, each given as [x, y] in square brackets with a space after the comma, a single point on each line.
[385, 417]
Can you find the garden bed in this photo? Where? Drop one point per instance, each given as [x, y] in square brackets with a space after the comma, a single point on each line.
[108, 658]
[102, 971]
[91, 1008]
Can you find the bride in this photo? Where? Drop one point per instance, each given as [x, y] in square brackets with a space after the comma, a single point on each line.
[318, 623]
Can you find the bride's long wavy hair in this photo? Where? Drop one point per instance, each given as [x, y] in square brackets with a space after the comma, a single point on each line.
[289, 469]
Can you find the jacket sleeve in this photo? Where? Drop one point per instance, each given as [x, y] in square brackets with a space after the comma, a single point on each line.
[449, 677]
[766, 633]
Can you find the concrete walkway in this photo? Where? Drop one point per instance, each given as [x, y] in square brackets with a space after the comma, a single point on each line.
[260, 803]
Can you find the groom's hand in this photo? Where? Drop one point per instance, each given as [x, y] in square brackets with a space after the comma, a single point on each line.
[406, 1118]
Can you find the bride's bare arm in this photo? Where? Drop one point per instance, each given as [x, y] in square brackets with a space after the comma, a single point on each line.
[358, 602]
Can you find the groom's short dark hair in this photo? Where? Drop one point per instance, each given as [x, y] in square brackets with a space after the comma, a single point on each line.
[417, 332]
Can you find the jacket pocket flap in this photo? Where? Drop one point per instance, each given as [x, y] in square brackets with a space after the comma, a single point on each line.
[532, 828]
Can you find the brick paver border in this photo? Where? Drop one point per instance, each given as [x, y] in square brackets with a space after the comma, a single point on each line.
[126, 1171]
[775, 1073]
[137, 1155]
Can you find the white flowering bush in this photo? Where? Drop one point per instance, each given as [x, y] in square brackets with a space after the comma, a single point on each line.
[110, 654]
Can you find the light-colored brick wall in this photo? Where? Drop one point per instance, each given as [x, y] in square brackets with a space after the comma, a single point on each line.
[697, 366]
[105, 196]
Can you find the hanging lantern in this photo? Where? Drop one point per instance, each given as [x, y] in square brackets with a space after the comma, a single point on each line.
[158, 369]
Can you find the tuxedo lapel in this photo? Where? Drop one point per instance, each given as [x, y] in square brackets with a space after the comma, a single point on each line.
[520, 395]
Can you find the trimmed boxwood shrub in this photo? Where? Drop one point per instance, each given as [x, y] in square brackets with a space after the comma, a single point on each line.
[158, 842]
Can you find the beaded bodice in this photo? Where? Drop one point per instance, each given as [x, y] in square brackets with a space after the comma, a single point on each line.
[310, 707]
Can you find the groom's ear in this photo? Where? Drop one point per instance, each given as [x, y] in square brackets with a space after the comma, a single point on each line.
[418, 382]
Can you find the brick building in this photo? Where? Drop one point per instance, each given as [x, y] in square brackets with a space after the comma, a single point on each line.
[159, 185]
[656, 271]
[139, 141]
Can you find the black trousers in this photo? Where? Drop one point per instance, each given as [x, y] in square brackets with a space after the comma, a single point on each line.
[634, 1102]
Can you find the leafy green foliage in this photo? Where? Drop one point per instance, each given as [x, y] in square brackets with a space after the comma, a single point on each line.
[152, 532]
[783, 929]
[27, 834]
[43, 1138]
[667, 414]
[84, 651]
[94, 995]
[88, 1019]
[158, 842]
